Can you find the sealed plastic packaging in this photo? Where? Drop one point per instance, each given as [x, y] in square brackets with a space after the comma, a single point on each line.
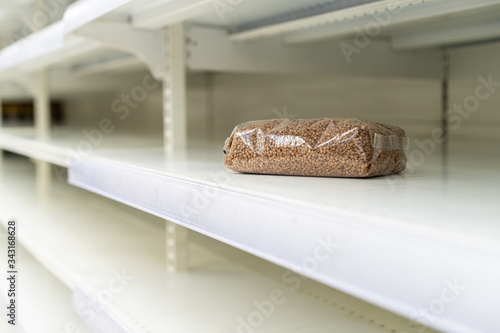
[331, 147]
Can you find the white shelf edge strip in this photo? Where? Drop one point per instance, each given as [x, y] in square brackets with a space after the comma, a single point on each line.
[35, 149]
[393, 18]
[322, 19]
[448, 36]
[244, 222]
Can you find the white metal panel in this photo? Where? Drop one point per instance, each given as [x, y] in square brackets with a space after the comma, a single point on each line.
[475, 97]
[411, 104]
[209, 49]
[386, 246]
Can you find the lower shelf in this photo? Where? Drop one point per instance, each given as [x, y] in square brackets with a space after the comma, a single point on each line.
[43, 302]
[113, 258]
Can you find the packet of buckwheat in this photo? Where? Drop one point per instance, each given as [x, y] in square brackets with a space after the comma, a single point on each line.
[331, 147]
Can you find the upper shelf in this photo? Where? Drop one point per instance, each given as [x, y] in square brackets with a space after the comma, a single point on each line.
[373, 223]
[408, 23]
[41, 49]
[405, 24]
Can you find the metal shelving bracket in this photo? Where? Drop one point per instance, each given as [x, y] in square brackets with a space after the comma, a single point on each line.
[147, 46]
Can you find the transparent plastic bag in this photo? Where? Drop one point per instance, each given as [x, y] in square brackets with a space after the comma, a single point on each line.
[331, 147]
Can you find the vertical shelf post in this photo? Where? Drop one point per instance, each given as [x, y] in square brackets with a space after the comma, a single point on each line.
[174, 90]
[177, 247]
[175, 133]
[42, 130]
[42, 106]
[445, 87]
[445, 104]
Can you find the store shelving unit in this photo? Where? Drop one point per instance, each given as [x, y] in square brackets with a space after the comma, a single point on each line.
[405, 244]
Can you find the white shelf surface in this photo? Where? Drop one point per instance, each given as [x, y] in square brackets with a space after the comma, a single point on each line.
[41, 49]
[68, 144]
[399, 237]
[85, 240]
[44, 303]
[33, 46]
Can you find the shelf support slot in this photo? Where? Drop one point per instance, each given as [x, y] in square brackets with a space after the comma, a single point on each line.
[175, 132]
[177, 247]
[445, 88]
[174, 90]
[42, 130]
